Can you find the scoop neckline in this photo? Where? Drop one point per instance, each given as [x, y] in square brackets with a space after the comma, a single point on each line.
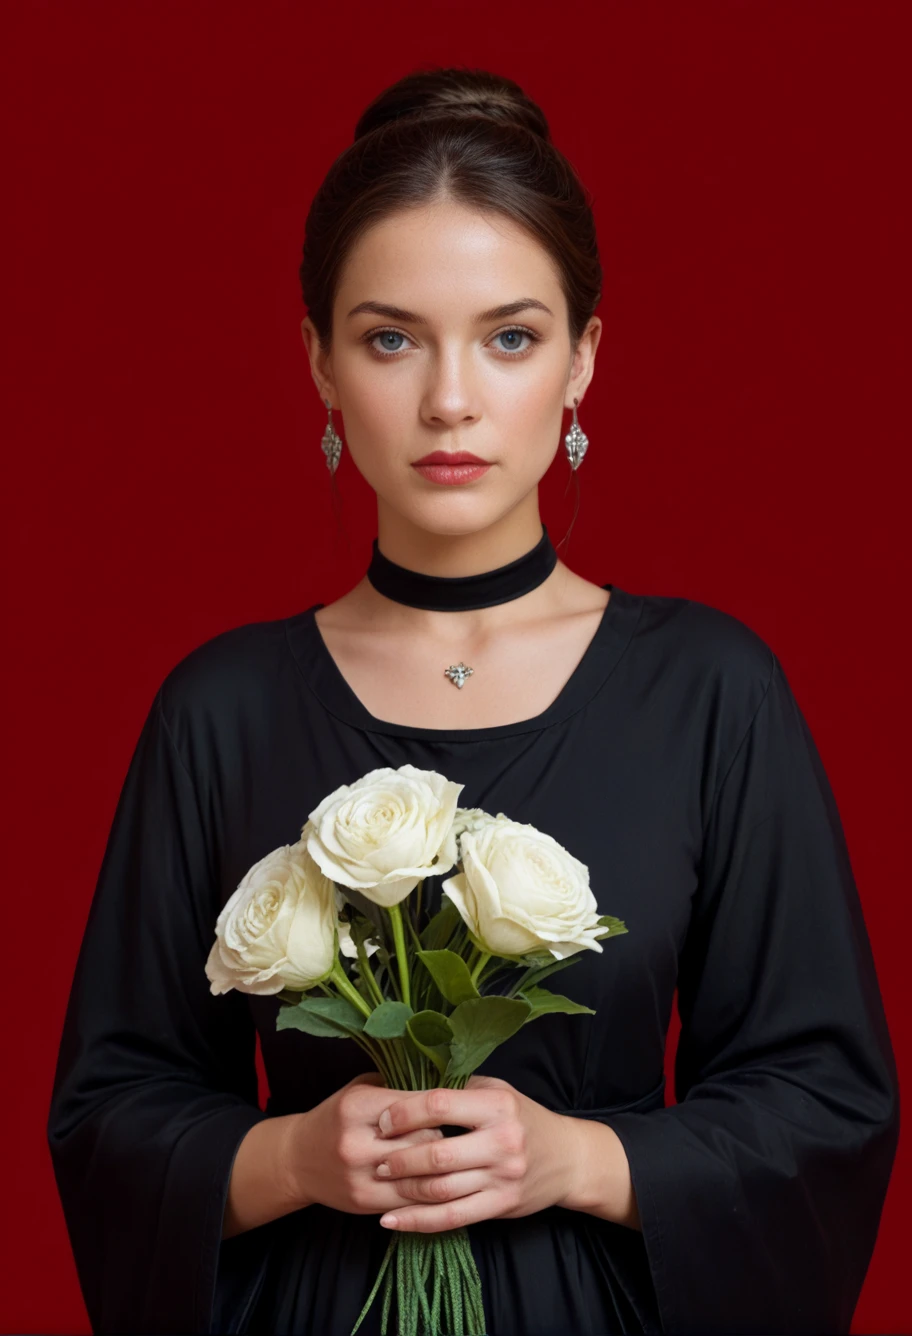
[325, 679]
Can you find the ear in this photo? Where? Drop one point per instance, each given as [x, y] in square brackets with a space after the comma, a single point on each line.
[320, 363]
[583, 363]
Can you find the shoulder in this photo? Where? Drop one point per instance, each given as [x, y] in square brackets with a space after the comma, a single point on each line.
[709, 673]
[224, 676]
[715, 662]
[722, 643]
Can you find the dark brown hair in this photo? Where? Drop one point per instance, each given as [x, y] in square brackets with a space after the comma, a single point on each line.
[468, 134]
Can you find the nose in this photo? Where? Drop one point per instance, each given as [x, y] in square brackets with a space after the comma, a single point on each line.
[450, 395]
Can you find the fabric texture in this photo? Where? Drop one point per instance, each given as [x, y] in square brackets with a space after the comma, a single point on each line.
[678, 766]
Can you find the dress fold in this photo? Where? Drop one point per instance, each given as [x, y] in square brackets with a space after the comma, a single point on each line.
[155, 1084]
[675, 764]
[760, 1191]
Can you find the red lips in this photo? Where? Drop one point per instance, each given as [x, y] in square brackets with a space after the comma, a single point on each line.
[450, 457]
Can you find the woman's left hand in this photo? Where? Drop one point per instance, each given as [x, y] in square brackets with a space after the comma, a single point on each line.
[520, 1157]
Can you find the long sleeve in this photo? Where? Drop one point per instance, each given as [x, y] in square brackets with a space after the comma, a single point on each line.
[155, 1085]
[760, 1192]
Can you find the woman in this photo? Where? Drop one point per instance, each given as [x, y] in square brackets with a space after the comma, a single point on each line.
[451, 277]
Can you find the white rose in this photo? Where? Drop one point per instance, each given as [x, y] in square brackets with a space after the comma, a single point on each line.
[469, 819]
[278, 929]
[520, 891]
[386, 832]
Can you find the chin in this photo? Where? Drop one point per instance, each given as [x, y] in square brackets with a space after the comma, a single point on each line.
[449, 516]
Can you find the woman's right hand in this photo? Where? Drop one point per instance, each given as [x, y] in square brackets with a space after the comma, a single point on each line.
[332, 1150]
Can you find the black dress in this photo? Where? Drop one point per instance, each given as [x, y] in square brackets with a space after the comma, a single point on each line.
[677, 765]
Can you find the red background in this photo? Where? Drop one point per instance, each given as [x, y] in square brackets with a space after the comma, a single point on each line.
[746, 163]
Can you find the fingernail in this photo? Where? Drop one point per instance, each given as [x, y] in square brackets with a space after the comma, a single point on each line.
[385, 1122]
[383, 1170]
[389, 1220]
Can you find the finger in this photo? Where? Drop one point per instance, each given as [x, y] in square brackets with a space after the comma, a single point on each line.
[387, 1095]
[441, 1187]
[442, 1155]
[456, 1214]
[463, 1108]
[419, 1138]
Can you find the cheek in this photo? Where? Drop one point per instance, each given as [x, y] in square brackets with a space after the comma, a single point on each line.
[527, 406]
[529, 391]
[380, 406]
[373, 393]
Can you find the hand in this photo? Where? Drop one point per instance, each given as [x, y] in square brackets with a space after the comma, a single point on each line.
[331, 1152]
[520, 1158]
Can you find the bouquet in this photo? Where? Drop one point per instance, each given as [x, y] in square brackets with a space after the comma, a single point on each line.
[331, 924]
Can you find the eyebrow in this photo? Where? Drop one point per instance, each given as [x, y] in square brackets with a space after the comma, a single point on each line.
[410, 318]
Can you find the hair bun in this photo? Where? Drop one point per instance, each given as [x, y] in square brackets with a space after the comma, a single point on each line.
[456, 92]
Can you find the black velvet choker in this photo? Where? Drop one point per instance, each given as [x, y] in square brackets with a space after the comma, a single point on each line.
[460, 593]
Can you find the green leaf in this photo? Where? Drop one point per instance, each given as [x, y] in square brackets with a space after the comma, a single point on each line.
[479, 1026]
[388, 1021]
[543, 1002]
[430, 1032]
[327, 1017]
[451, 975]
[535, 959]
[436, 935]
[536, 975]
[550, 965]
[614, 925]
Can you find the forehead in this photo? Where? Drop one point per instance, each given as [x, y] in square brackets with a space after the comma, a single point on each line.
[447, 253]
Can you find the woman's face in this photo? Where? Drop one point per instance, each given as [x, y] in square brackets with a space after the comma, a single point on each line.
[450, 333]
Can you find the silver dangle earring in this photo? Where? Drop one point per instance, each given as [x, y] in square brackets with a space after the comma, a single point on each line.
[576, 442]
[332, 442]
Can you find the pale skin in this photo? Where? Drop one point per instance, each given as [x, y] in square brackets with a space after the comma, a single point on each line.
[443, 373]
[455, 383]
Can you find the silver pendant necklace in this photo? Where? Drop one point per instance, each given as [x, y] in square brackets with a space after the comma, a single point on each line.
[457, 673]
[462, 593]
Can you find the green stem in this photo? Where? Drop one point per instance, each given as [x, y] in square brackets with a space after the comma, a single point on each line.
[370, 1298]
[483, 959]
[415, 938]
[395, 913]
[367, 973]
[437, 1271]
[419, 1252]
[395, 1052]
[401, 1082]
[406, 1051]
[348, 990]
[374, 1050]
[422, 976]
[393, 982]
[378, 1061]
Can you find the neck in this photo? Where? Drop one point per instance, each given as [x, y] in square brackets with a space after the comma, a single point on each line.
[453, 555]
[509, 590]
